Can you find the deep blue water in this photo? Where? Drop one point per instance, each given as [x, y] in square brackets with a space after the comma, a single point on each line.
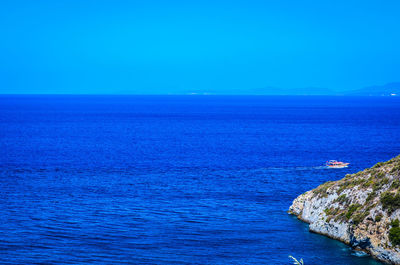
[178, 179]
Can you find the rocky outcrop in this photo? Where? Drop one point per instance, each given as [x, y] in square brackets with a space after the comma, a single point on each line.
[361, 210]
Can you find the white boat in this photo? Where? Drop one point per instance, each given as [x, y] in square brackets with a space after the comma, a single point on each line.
[336, 164]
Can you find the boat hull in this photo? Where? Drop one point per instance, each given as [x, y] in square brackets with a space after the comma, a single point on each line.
[338, 166]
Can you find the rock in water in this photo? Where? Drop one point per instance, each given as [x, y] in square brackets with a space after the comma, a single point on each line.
[362, 210]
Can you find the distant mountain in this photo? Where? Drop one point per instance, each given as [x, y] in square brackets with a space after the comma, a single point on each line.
[306, 91]
[390, 89]
[270, 91]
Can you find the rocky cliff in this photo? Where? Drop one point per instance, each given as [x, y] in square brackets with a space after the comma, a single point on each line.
[362, 210]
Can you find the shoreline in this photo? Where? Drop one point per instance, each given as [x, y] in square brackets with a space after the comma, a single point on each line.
[340, 240]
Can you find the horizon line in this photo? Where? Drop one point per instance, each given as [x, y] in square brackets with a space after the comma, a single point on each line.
[195, 94]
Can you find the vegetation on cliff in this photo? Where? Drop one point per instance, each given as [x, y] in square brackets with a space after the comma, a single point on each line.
[381, 183]
[362, 210]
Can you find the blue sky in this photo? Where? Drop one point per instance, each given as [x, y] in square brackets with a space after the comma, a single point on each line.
[169, 47]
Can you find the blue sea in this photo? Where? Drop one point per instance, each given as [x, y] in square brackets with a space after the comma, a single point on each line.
[178, 179]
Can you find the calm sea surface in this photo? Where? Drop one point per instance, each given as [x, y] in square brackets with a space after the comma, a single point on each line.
[178, 179]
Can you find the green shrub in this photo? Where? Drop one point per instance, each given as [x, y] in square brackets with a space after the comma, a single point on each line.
[347, 185]
[380, 175]
[358, 181]
[341, 188]
[369, 182]
[378, 217]
[395, 184]
[394, 235]
[322, 189]
[369, 207]
[341, 199]
[395, 223]
[379, 184]
[371, 196]
[395, 169]
[328, 211]
[352, 209]
[376, 186]
[358, 218]
[339, 217]
[385, 181]
[390, 201]
[379, 164]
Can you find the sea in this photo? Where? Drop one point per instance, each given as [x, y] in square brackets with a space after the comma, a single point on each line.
[110, 179]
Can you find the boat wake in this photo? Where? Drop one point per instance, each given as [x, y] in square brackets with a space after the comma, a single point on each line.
[293, 168]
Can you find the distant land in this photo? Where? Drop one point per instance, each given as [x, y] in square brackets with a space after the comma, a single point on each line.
[389, 89]
[270, 91]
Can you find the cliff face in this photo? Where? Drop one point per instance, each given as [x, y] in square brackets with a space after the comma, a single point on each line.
[361, 210]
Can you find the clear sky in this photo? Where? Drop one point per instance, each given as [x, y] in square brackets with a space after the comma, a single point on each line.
[147, 47]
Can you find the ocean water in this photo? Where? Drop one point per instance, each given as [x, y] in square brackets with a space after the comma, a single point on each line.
[178, 179]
